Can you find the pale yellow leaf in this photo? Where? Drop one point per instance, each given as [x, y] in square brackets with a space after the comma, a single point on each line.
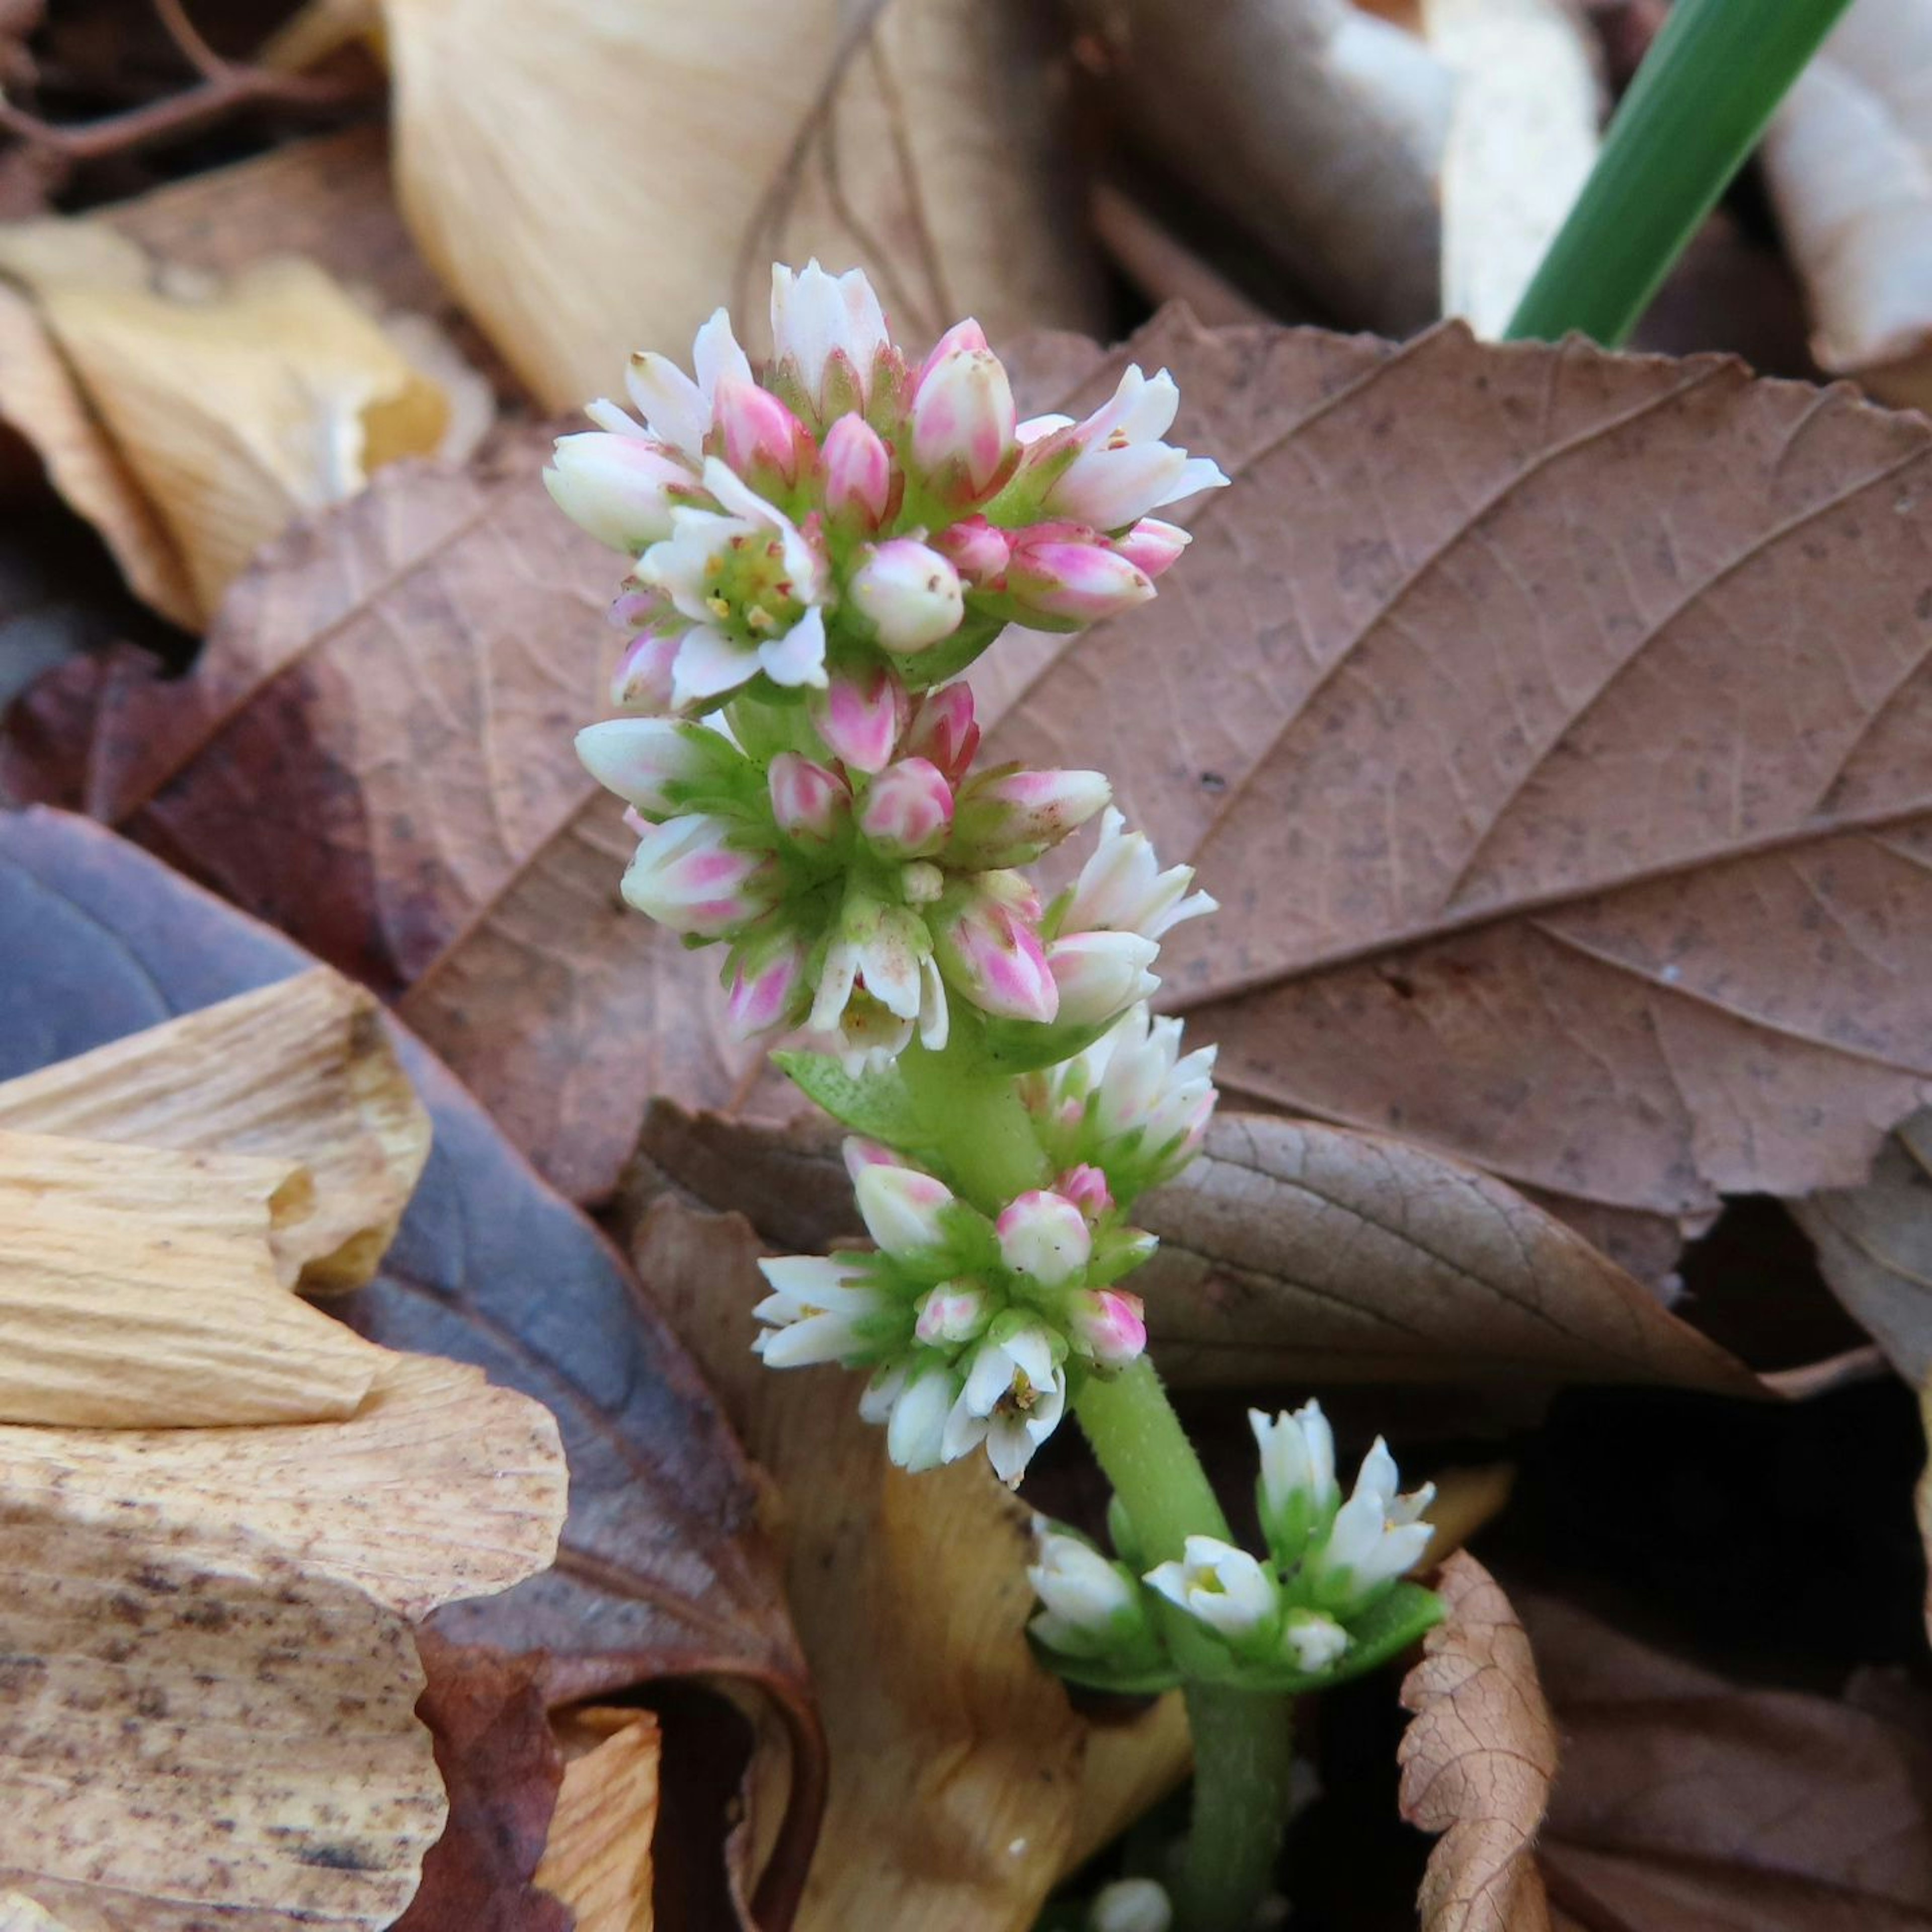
[202, 1735]
[302, 1070]
[137, 1287]
[440, 1486]
[597, 1859]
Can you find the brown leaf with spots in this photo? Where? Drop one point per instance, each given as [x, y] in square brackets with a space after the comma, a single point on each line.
[1477, 1761]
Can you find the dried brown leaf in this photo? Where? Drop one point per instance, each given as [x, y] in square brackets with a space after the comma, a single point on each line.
[597, 1859]
[1477, 1761]
[212, 1733]
[138, 1289]
[302, 1070]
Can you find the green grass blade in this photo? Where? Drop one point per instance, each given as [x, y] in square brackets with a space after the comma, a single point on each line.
[1695, 111]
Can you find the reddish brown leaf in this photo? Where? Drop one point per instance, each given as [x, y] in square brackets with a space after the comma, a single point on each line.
[1477, 1760]
[663, 1570]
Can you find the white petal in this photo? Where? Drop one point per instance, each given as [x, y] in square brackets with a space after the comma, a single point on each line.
[708, 663]
[674, 408]
[798, 657]
[714, 354]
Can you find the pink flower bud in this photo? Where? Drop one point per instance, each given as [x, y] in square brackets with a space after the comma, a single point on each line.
[828, 336]
[955, 1311]
[858, 473]
[963, 418]
[1056, 576]
[908, 810]
[860, 716]
[860, 1153]
[764, 443]
[979, 552]
[1044, 1236]
[686, 877]
[655, 762]
[990, 952]
[621, 489]
[642, 681]
[943, 730]
[1010, 818]
[1109, 1325]
[1100, 974]
[1086, 1187]
[1151, 545]
[766, 996]
[910, 594]
[903, 1208]
[810, 804]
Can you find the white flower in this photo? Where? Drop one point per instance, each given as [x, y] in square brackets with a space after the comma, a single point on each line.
[1100, 974]
[1123, 469]
[651, 762]
[1143, 1105]
[1083, 1598]
[903, 1208]
[676, 409]
[1376, 1537]
[1298, 1490]
[1122, 889]
[817, 1311]
[750, 583]
[1220, 1586]
[916, 1433]
[1011, 1400]
[1044, 1236]
[1312, 1640]
[1130, 1905]
[620, 487]
[887, 948]
[827, 330]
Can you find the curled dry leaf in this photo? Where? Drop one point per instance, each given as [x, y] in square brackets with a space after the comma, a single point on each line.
[231, 409]
[955, 1762]
[210, 1730]
[138, 1289]
[1477, 1761]
[303, 1071]
[1848, 160]
[663, 1569]
[585, 152]
[597, 1858]
[1295, 1252]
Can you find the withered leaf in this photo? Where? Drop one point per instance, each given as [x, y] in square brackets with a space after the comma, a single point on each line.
[1291, 1250]
[663, 1569]
[597, 1858]
[1477, 1761]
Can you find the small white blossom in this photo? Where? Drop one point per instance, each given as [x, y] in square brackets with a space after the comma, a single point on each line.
[677, 410]
[817, 1311]
[1122, 889]
[1298, 1491]
[1130, 1905]
[1124, 469]
[1312, 1641]
[1219, 1585]
[1083, 1598]
[1011, 1400]
[1376, 1537]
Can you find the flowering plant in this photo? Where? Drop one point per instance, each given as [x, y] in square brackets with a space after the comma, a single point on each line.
[820, 549]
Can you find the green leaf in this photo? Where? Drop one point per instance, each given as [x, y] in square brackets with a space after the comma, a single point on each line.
[880, 1106]
[1096, 1673]
[1383, 1631]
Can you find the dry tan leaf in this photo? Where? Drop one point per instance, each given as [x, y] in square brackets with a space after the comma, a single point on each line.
[138, 1289]
[1295, 1252]
[202, 1735]
[234, 409]
[1477, 1761]
[1522, 138]
[654, 153]
[1127, 1769]
[597, 1857]
[440, 1486]
[955, 1761]
[1848, 159]
[302, 1070]
[1313, 126]
[19, 1913]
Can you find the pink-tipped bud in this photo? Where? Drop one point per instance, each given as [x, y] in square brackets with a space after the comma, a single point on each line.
[769, 995]
[1056, 576]
[1110, 1326]
[1045, 1237]
[907, 811]
[812, 804]
[943, 730]
[621, 489]
[979, 552]
[642, 681]
[1152, 546]
[1100, 974]
[1010, 818]
[659, 763]
[860, 715]
[955, 1311]
[1086, 1187]
[963, 423]
[858, 473]
[910, 595]
[686, 877]
[903, 1208]
[764, 441]
[859, 1153]
[990, 951]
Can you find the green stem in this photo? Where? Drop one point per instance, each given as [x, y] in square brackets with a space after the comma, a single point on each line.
[1711, 82]
[977, 1118]
[1244, 1740]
